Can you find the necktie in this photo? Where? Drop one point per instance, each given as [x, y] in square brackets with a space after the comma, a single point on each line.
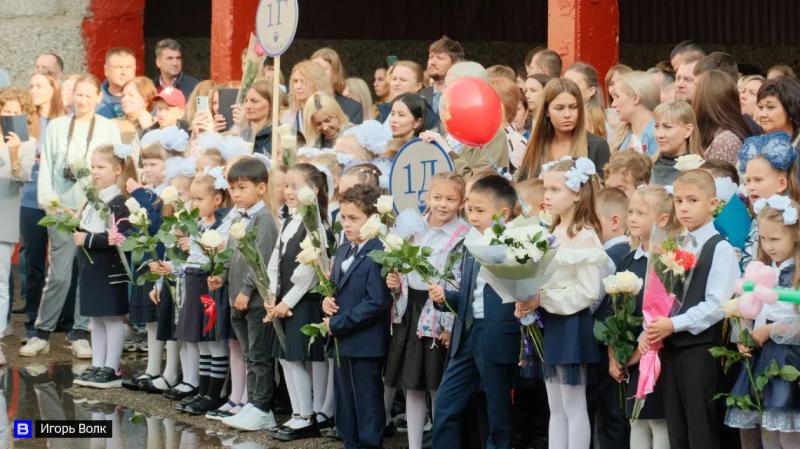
[351, 252]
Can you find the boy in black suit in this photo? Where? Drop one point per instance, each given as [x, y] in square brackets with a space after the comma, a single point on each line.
[359, 321]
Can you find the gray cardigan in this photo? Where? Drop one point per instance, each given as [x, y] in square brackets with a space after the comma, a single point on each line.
[239, 276]
[10, 189]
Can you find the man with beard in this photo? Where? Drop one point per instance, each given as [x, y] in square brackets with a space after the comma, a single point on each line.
[442, 54]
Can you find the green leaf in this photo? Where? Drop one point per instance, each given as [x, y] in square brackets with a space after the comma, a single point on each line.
[761, 382]
[789, 373]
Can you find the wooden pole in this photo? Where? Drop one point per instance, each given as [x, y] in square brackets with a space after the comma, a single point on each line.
[276, 90]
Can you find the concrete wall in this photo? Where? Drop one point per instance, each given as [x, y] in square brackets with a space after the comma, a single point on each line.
[31, 27]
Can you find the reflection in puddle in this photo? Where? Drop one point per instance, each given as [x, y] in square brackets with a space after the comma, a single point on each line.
[37, 392]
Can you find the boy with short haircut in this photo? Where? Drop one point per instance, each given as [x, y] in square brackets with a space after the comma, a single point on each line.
[689, 372]
[602, 398]
[248, 181]
[484, 349]
[627, 170]
[531, 192]
[612, 209]
[358, 318]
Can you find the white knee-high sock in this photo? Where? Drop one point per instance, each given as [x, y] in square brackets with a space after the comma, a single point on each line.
[173, 362]
[238, 372]
[388, 400]
[190, 358]
[416, 413]
[641, 437]
[288, 377]
[302, 386]
[115, 332]
[98, 342]
[319, 376]
[770, 439]
[155, 350]
[660, 434]
[789, 440]
[558, 429]
[573, 399]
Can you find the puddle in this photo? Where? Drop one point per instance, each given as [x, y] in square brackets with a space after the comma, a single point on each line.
[35, 392]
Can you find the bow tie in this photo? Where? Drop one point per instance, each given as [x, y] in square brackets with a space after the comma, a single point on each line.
[688, 239]
[244, 214]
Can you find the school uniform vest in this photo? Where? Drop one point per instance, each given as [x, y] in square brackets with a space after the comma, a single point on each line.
[694, 294]
[287, 263]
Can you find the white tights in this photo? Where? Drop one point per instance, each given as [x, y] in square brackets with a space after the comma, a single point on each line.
[155, 350]
[569, 418]
[649, 434]
[780, 440]
[322, 376]
[190, 359]
[416, 415]
[108, 336]
[238, 373]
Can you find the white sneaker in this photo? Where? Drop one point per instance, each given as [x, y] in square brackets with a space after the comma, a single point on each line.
[81, 349]
[250, 418]
[34, 347]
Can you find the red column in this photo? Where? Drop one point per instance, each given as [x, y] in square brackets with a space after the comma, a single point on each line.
[232, 21]
[113, 23]
[584, 30]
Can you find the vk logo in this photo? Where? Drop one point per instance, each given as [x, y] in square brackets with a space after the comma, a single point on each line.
[23, 428]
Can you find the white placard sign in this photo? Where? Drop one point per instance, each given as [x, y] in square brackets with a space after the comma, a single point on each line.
[276, 23]
[412, 169]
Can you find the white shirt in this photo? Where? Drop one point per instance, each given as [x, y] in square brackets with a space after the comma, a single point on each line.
[349, 261]
[303, 277]
[197, 257]
[477, 297]
[91, 220]
[721, 278]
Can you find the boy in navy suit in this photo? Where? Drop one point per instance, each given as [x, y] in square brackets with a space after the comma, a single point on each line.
[605, 411]
[484, 350]
[359, 320]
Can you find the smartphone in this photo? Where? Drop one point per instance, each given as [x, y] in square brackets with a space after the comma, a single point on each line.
[202, 103]
[227, 98]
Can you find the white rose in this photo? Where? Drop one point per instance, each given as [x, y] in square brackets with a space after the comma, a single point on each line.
[77, 165]
[211, 239]
[306, 243]
[238, 230]
[385, 204]
[628, 283]
[611, 284]
[731, 308]
[371, 228]
[53, 201]
[308, 256]
[138, 218]
[306, 196]
[170, 195]
[393, 242]
[689, 162]
[133, 205]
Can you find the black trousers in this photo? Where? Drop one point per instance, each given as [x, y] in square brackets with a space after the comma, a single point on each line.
[606, 415]
[690, 375]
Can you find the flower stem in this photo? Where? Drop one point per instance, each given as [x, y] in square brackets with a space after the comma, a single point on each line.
[91, 261]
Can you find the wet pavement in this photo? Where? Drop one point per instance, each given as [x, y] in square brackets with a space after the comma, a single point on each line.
[40, 388]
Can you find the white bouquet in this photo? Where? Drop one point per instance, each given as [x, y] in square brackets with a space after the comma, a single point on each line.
[514, 256]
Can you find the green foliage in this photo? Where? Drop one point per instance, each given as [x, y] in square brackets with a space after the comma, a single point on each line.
[314, 330]
[617, 331]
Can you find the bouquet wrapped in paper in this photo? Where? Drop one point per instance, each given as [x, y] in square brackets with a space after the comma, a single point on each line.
[667, 270]
[514, 259]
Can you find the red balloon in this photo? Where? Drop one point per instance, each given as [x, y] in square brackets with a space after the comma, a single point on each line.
[471, 111]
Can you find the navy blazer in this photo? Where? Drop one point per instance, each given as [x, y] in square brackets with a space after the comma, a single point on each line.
[362, 323]
[501, 331]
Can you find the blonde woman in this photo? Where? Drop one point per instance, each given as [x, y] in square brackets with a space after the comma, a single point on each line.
[307, 77]
[252, 119]
[676, 135]
[748, 93]
[586, 77]
[358, 90]
[324, 121]
[560, 130]
[635, 96]
[404, 77]
[329, 60]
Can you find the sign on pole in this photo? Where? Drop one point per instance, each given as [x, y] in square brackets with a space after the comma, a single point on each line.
[276, 23]
[412, 170]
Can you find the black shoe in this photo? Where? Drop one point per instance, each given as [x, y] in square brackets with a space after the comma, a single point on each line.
[290, 434]
[147, 386]
[86, 375]
[177, 395]
[135, 383]
[104, 378]
[202, 406]
[187, 401]
[390, 430]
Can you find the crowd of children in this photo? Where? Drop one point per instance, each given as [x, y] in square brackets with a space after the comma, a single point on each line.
[451, 349]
